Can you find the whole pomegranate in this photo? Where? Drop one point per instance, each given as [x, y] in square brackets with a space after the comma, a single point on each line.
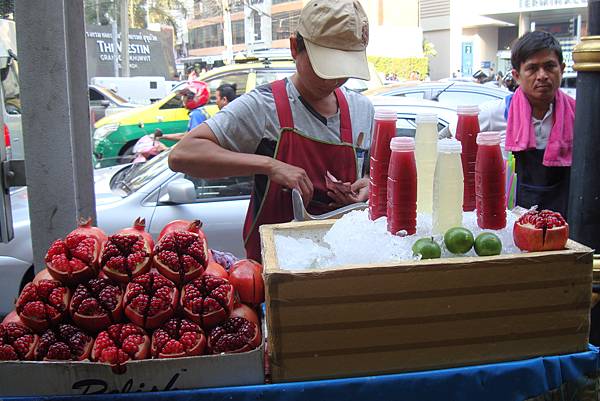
[207, 300]
[178, 337]
[181, 255]
[126, 256]
[43, 304]
[540, 231]
[96, 304]
[236, 334]
[17, 342]
[246, 277]
[64, 343]
[215, 269]
[150, 300]
[120, 343]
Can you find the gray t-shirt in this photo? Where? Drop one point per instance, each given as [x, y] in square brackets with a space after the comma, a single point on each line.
[245, 122]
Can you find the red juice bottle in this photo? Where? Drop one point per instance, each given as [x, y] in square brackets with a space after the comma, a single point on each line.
[402, 187]
[467, 129]
[384, 129]
[490, 182]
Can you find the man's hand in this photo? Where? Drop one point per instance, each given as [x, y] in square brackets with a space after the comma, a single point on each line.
[292, 177]
[358, 191]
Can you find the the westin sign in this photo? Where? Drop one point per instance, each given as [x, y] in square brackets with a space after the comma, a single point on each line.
[536, 4]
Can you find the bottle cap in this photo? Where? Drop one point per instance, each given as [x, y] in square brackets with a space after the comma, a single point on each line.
[386, 114]
[402, 144]
[426, 118]
[488, 138]
[467, 109]
[448, 145]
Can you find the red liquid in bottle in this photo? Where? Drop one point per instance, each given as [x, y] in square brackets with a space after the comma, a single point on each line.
[466, 132]
[384, 129]
[402, 187]
[490, 182]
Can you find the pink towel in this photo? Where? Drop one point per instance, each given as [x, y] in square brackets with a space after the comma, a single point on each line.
[520, 134]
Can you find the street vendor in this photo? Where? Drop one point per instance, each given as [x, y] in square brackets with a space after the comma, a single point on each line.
[538, 121]
[291, 132]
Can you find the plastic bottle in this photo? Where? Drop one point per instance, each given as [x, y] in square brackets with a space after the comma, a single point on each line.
[490, 182]
[448, 187]
[384, 129]
[467, 129]
[402, 187]
[426, 138]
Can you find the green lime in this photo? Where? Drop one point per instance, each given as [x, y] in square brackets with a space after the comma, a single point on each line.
[427, 248]
[488, 244]
[458, 240]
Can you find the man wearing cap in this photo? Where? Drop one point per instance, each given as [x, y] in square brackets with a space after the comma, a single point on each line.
[292, 132]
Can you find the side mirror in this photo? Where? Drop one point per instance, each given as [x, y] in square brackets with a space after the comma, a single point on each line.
[104, 103]
[181, 190]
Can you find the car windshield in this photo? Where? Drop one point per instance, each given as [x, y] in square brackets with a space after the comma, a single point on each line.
[135, 176]
[110, 94]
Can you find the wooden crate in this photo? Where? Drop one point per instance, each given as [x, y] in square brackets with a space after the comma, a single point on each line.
[377, 319]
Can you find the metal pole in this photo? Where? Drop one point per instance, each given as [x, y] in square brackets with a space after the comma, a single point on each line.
[115, 44]
[124, 38]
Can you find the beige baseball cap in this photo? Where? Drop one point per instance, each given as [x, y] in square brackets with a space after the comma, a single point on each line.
[336, 34]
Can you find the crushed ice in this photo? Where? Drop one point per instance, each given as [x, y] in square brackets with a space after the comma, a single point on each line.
[354, 239]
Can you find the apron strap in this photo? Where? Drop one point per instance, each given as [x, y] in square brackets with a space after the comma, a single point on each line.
[282, 104]
[345, 123]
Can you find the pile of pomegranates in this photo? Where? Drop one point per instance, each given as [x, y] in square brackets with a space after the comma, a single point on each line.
[114, 298]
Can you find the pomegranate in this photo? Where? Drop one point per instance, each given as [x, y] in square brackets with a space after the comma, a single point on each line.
[234, 335]
[12, 317]
[207, 300]
[17, 342]
[43, 304]
[181, 256]
[150, 300]
[85, 227]
[177, 338]
[64, 343]
[215, 269]
[540, 231]
[243, 310]
[44, 274]
[125, 256]
[74, 259]
[246, 277]
[120, 343]
[194, 226]
[96, 304]
[139, 228]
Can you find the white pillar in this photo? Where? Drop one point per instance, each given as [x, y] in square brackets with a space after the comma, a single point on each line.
[524, 23]
[124, 38]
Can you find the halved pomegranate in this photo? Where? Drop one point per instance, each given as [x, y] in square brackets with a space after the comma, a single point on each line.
[12, 317]
[193, 226]
[150, 300]
[243, 310]
[85, 227]
[246, 277]
[139, 228]
[177, 338]
[207, 300]
[215, 269]
[234, 335]
[97, 304]
[74, 259]
[64, 343]
[43, 304]
[17, 342]
[43, 274]
[540, 231]
[120, 343]
[181, 256]
[125, 256]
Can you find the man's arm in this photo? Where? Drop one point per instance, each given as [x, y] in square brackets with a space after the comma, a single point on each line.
[199, 154]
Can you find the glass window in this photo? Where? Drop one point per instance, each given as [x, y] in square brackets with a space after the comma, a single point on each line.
[407, 126]
[412, 95]
[257, 30]
[95, 96]
[284, 24]
[173, 103]
[227, 187]
[268, 76]
[237, 32]
[207, 36]
[239, 79]
[454, 98]
[207, 8]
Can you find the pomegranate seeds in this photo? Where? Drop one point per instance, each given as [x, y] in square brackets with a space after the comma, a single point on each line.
[177, 338]
[43, 304]
[96, 304]
[17, 342]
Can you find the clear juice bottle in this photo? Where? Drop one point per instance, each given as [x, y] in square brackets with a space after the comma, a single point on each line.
[467, 129]
[448, 187]
[384, 129]
[426, 138]
[402, 187]
[490, 182]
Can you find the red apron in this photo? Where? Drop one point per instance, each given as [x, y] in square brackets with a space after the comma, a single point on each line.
[315, 157]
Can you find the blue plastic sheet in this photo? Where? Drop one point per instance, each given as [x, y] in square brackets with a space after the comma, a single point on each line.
[509, 381]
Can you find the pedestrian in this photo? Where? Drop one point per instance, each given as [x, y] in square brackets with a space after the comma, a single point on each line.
[537, 122]
[193, 96]
[292, 132]
[225, 94]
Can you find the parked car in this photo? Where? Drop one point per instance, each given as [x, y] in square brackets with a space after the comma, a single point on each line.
[154, 192]
[104, 102]
[569, 84]
[451, 93]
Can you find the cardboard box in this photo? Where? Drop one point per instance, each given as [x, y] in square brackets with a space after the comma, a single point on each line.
[73, 378]
[430, 314]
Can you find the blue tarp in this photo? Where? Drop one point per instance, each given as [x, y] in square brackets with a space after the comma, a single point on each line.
[509, 381]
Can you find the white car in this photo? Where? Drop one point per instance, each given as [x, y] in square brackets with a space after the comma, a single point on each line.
[154, 192]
